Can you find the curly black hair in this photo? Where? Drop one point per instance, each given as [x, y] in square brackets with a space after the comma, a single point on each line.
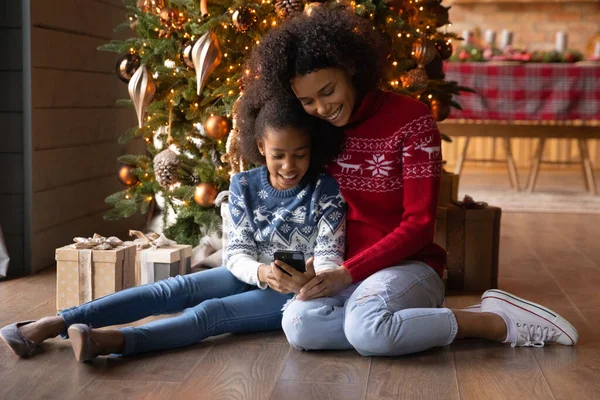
[255, 114]
[324, 39]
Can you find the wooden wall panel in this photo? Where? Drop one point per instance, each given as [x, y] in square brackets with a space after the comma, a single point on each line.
[71, 202]
[72, 165]
[75, 122]
[83, 17]
[75, 127]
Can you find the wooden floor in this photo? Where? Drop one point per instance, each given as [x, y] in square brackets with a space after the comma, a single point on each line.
[552, 259]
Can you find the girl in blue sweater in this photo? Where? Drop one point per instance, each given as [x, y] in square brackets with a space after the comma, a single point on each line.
[285, 205]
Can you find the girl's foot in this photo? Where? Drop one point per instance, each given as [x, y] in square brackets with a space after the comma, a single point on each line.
[88, 343]
[24, 337]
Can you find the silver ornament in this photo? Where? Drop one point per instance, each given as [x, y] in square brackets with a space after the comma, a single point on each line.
[206, 56]
[142, 88]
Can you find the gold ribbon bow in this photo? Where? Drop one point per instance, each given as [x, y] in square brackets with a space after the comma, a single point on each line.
[97, 242]
[151, 239]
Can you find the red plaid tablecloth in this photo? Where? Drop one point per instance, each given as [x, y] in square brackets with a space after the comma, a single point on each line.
[527, 91]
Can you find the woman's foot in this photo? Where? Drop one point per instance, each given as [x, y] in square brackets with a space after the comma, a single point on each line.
[528, 323]
[88, 343]
[24, 337]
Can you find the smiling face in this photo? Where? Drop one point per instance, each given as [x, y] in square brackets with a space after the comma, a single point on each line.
[327, 93]
[287, 153]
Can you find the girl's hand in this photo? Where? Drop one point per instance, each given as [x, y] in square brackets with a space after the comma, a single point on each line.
[325, 284]
[283, 283]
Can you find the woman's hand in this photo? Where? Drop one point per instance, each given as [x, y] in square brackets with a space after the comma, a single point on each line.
[326, 283]
[283, 283]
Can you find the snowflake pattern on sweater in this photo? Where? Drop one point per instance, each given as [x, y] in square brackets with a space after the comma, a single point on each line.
[382, 164]
[310, 217]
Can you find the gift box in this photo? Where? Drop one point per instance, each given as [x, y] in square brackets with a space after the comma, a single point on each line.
[471, 236]
[448, 188]
[85, 274]
[155, 264]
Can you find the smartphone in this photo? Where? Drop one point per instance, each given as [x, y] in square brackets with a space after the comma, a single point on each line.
[293, 258]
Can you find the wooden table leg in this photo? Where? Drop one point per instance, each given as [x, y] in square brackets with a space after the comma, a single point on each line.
[510, 162]
[461, 158]
[587, 165]
[535, 165]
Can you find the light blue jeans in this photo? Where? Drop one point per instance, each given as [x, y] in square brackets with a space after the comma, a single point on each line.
[213, 302]
[393, 312]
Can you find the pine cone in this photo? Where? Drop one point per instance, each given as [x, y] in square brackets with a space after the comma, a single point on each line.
[166, 164]
[285, 8]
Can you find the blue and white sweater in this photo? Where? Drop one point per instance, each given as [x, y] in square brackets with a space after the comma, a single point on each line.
[310, 217]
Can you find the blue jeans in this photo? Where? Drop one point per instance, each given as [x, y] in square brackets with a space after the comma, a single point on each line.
[393, 312]
[213, 302]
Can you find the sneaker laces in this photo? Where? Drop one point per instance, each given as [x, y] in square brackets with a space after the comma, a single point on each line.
[534, 335]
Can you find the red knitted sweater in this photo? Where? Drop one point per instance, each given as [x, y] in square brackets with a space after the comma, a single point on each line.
[389, 174]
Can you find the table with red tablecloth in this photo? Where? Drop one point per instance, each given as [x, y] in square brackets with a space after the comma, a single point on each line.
[516, 100]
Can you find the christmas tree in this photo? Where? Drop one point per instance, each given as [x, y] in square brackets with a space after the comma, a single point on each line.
[183, 68]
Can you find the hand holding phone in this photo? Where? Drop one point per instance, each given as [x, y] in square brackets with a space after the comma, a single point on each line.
[293, 258]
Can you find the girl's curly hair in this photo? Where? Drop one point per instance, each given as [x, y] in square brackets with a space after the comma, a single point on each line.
[325, 39]
[255, 114]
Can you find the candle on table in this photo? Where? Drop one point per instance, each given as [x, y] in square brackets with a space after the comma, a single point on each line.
[506, 38]
[490, 38]
[561, 41]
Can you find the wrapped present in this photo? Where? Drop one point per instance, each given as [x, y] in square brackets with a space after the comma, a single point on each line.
[92, 268]
[448, 188]
[159, 258]
[470, 233]
[155, 264]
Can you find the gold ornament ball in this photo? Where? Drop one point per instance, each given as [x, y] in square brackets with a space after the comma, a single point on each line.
[205, 195]
[126, 175]
[217, 127]
[439, 109]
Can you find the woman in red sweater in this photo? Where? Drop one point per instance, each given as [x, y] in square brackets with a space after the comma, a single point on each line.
[385, 299]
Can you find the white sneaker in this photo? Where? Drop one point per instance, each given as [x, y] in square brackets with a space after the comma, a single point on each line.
[529, 324]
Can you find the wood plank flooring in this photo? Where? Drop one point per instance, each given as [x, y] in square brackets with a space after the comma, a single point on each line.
[550, 258]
